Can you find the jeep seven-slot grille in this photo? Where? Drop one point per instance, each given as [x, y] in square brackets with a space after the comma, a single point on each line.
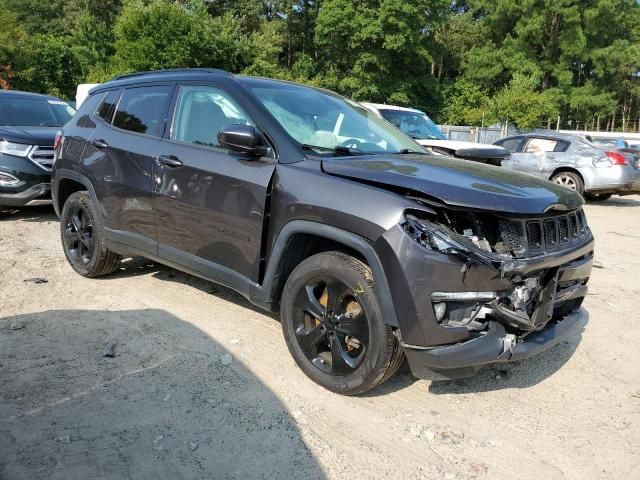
[539, 235]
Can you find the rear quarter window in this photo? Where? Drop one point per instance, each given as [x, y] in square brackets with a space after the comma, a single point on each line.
[108, 105]
[144, 109]
[90, 104]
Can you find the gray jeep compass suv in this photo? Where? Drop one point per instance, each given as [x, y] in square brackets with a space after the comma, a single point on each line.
[371, 249]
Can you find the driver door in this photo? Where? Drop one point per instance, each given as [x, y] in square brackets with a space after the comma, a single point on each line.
[209, 202]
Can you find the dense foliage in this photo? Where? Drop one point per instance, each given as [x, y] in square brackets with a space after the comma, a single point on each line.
[529, 62]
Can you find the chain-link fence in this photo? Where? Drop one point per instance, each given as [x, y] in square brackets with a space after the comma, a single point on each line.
[478, 134]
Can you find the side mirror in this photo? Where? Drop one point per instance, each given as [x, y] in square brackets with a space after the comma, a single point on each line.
[243, 139]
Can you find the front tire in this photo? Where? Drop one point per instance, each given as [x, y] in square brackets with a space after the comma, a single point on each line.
[82, 239]
[333, 325]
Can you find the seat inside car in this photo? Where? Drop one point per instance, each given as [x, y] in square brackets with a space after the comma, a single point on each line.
[204, 120]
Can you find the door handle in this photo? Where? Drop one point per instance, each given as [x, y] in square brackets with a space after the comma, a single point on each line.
[99, 143]
[169, 161]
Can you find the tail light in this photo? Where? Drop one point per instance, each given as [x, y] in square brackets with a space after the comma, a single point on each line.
[616, 158]
[56, 142]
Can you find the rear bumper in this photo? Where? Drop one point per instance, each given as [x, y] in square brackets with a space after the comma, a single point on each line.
[612, 179]
[39, 194]
[495, 346]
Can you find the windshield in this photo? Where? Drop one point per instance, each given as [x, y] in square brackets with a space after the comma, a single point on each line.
[18, 110]
[413, 123]
[330, 124]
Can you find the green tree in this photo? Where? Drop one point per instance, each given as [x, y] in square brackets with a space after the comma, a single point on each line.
[54, 69]
[161, 34]
[519, 103]
[377, 50]
[465, 103]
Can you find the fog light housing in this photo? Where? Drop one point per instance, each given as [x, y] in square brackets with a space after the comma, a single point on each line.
[7, 179]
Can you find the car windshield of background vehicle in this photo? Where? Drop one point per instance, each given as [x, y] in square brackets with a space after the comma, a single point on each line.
[415, 124]
[34, 112]
[329, 124]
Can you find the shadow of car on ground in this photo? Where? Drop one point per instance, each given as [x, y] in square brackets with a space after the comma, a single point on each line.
[171, 403]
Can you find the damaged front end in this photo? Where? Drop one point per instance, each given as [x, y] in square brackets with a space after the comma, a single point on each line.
[499, 287]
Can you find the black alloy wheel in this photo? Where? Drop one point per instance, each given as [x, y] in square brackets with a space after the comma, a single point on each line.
[82, 239]
[331, 326]
[78, 236]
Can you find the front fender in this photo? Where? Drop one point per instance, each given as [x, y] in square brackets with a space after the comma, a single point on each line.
[351, 240]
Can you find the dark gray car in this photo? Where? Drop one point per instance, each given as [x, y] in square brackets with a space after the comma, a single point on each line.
[307, 204]
[573, 162]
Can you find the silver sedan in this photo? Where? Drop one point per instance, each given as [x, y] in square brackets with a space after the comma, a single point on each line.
[573, 162]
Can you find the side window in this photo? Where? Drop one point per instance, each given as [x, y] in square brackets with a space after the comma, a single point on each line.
[561, 146]
[90, 104]
[536, 145]
[144, 109]
[510, 144]
[202, 111]
[108, 105]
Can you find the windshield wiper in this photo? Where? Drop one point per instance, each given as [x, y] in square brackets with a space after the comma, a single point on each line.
[406, 151]
[338, 149]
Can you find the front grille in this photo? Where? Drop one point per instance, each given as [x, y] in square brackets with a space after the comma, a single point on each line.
[511, 235]
[539, 235]
[43, 157]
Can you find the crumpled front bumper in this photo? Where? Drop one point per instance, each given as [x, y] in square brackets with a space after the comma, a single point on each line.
[493, 346]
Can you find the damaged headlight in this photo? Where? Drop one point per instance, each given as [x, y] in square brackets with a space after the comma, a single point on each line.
[428, 234]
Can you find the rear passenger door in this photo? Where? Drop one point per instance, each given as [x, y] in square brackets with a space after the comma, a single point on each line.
[209, 201]
[539, 154]
[121, 154]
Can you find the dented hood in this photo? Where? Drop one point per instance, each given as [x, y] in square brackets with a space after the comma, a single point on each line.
[457, 182]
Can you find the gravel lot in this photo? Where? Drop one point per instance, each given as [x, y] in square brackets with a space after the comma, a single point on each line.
[201, 384]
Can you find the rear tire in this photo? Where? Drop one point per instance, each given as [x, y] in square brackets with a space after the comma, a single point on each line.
[569, 180]
[597, 197]
[82, 238]
[333, 325]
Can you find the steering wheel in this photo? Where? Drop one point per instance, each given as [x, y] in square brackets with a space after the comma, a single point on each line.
[352, 143]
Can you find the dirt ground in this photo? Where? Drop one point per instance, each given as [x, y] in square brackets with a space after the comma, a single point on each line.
[201, 385]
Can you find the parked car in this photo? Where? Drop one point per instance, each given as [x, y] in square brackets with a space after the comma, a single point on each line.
[573, 162]
[424, 131]
[308, 204]
[28, 126]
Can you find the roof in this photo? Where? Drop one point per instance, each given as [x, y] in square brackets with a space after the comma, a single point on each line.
[204, 74]
[550, 135]
[19, 93]
[162, 75]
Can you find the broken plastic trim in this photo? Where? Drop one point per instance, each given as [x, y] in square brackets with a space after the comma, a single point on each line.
[463, 296]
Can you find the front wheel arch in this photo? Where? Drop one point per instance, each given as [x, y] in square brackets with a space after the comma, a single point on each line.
[277, 272]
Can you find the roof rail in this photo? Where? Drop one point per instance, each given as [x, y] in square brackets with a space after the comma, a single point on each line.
[170, 70]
